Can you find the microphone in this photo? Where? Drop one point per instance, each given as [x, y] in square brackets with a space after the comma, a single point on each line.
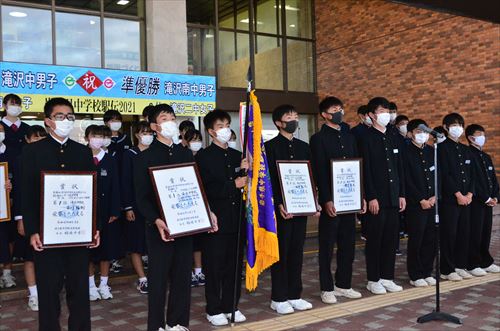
[425, 128]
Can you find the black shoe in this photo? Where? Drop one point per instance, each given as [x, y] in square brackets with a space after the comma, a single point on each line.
[398, 252]
[142, 287]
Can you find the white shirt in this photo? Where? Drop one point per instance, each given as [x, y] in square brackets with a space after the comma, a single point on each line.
[9, 123]
[3, 148]
[100, 155]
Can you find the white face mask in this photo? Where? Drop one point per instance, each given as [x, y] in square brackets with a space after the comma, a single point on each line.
[115, 126]
[232, 144]
[170, 130]
[440, 140]
[479, 140]
[368, 121]
[403, 129]
[195, 146]
[95, 143]
[106, 142]
[421, 138]
[393, 116]
[146, 139]
[383, 119]
[2, 137]
[456, 131]
[223, 135]
[14, 110]
[64, 127]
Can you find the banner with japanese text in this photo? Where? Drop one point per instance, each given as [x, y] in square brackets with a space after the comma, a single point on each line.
[93, 90]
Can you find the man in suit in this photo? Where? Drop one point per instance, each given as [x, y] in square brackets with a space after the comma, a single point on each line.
[56, 267]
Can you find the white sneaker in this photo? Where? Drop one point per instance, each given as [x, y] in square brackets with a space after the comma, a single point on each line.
[300, 304]
[174, 328]
[216, 320]
[282, 308]
[463, 273]
[430, 280]
[238, 317]
[477, 272]
[454, 277]
[105, 292]
[493, 268]
[328, 297]
[94, 294]
[375, 287]
[419, 283]
[8, 281]
[390, 285]
[348, 293]
[33, 302]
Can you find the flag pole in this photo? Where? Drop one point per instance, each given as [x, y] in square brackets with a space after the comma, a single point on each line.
[241, 217]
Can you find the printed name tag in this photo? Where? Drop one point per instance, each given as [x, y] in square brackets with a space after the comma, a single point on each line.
[126, 147]
[395, 150]
[432, 168]
[467, 161]
[490, 168]
[104, 172]
[237, 169]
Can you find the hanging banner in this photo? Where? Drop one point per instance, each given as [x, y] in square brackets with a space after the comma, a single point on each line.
[93, 90]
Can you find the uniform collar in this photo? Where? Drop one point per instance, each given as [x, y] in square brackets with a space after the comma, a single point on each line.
[9, 123]
[3, 148]
[100, 155]
[282, 137]
[59, 142]
[326, 127]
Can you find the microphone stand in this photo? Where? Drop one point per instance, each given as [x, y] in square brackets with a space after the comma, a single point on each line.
[437, 314]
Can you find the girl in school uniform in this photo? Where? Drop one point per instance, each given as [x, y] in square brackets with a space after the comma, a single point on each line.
[135, 226]
[23, 248]
[193, 140]
[108, 210]
[14, 131]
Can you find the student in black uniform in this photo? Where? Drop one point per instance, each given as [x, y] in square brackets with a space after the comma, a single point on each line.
[15, 130]
[385, 192]
[108, 200]
[184, 126]
[6, 228]
[286, 274]
[393, 112]
[120, 142]
[420, 197]
[333, 142]
[457, 188]
[56, 267]
[401, 125]
[193, 141]
[136, 237]
[232, 142]
[146, 111]
[170, 261]
[220, 172]
[486, 197]
[24, 250]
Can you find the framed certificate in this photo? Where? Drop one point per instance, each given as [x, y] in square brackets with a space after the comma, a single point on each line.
[297, 187]
[347, 185]
[68, 208]
[181, 199]
[4, 195]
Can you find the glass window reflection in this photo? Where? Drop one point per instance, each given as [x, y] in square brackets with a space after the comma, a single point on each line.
[233, 64]
[268, 63]
[201, 51]
[122, 44]
[87, 4]
[266, 16]
[78, 40]
[26, 35]
[226, 13]
[299, 18]
[300, 66]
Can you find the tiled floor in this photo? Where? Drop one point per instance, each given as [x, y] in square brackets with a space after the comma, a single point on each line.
[478, 306]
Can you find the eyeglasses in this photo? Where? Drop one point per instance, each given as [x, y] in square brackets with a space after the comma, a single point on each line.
[61, 117]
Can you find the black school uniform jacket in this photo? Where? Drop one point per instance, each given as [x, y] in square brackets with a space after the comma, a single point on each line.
[485, 179]
[383, 168]
[419, 174]
[219, 168]
[118, 146]
[47, 154]
[281, 148]
[456, 169]
[127, 182]
[108, 189]
[328, 144]
[158, 154]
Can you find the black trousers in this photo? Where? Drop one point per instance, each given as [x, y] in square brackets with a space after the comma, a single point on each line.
[342, 231]
[421, 242]
[382, 234]
[55, 268]
[169, 264]
[480, 236]
[219, 263]
[286, 274]
[454, 235]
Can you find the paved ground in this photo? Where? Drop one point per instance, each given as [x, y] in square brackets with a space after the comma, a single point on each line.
[478, 306]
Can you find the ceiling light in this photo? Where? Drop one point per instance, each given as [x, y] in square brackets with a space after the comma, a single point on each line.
[246, 21]
[28, 117]
[17, 14]
[208, 36]
[290, 8]
[92, 22]
[122, 2]
[292, 25]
